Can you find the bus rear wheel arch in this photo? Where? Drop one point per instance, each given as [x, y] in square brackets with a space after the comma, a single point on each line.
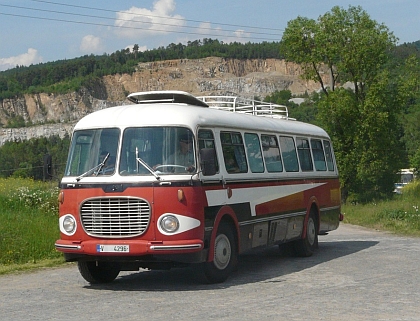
[225, 255]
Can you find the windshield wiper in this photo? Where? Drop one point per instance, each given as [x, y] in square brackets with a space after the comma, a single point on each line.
[97, 168]
[146, 166]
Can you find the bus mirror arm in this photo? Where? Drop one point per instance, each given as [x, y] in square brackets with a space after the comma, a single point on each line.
[208, 161]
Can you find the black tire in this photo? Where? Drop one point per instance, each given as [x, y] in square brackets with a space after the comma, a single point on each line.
[98, 272]
[307, 246]
[225, 256]
[286, 249]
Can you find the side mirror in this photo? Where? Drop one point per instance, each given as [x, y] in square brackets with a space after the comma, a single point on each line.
[208, 161]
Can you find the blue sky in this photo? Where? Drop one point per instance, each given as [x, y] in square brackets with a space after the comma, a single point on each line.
[34, 31]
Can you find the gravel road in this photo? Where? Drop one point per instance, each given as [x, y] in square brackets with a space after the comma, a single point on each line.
[357, 274]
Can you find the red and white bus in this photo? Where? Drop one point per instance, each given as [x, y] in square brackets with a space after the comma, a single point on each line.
[175, 179]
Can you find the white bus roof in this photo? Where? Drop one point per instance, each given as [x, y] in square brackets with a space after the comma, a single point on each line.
[176, 108]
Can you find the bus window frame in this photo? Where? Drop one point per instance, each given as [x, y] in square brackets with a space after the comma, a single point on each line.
[291, 153]
[268, 158]
[316, 152]
[236, 147]
[330, 161]
[304, 154]
[253, 153]
[206, 145]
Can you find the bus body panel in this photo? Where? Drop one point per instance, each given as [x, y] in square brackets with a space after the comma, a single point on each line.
[278, 209]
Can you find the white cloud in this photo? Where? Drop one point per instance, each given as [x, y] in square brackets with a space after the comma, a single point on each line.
[26, 59]
[141, 22]
[206, 29]
[91, 44]
[240, 34]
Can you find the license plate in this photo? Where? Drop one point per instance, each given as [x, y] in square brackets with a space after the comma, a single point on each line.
[112, 248]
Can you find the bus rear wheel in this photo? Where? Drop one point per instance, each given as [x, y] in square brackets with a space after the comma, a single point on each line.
[307, 245]
[98, 272]
[225, 256]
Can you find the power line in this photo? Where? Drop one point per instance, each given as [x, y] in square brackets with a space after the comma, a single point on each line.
[126, 27]
[154, 16]
[126, 20]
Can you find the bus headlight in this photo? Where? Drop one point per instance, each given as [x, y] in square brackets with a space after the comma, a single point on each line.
[68, 224]
[172, 224]
[169, 224]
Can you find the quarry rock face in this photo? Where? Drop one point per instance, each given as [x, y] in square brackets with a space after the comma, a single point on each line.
[55, 114]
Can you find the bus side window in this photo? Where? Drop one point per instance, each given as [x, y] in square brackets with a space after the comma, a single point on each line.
[288, 153]
[206, 141]
[328, 155]
[233, 152]
[271, 153]
[304, 153]
[318, 154]
[253, 151]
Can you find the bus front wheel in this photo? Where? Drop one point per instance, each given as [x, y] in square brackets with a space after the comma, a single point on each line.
[98, 272]
[225, 256]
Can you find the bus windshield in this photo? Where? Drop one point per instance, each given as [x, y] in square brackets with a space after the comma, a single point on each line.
[166, 150]
[93, 152]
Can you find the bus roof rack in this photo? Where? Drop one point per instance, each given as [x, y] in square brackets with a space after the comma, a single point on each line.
[228, 103]
[246, 106]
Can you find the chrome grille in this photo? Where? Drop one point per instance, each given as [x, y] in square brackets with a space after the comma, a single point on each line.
[115, 216]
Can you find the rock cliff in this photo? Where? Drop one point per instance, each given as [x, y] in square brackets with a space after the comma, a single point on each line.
[209, 76]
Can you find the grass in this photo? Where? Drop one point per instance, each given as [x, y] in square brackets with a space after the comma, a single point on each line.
[400, 215]
[28, 224]
[29, 221]
[45, 263]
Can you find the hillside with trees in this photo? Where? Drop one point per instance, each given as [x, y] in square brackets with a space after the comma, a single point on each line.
[70, 75]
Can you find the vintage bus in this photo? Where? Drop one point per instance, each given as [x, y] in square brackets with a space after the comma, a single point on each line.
[175, 179]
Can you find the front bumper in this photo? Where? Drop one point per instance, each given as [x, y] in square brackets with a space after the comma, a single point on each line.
[136, 248]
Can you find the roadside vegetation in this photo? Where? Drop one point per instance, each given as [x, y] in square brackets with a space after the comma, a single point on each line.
[28, 224]
[399, 215]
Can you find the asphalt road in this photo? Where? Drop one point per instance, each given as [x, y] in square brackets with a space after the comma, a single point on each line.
[357, 274]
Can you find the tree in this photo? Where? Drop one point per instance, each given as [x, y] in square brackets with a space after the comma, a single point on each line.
[135, 50]
[347, 46]
[409, 80]
[304, 112]
[281, 97]
[381, 154]
[24, 158]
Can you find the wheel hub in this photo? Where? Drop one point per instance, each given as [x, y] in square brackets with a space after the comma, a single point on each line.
[222, 252]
